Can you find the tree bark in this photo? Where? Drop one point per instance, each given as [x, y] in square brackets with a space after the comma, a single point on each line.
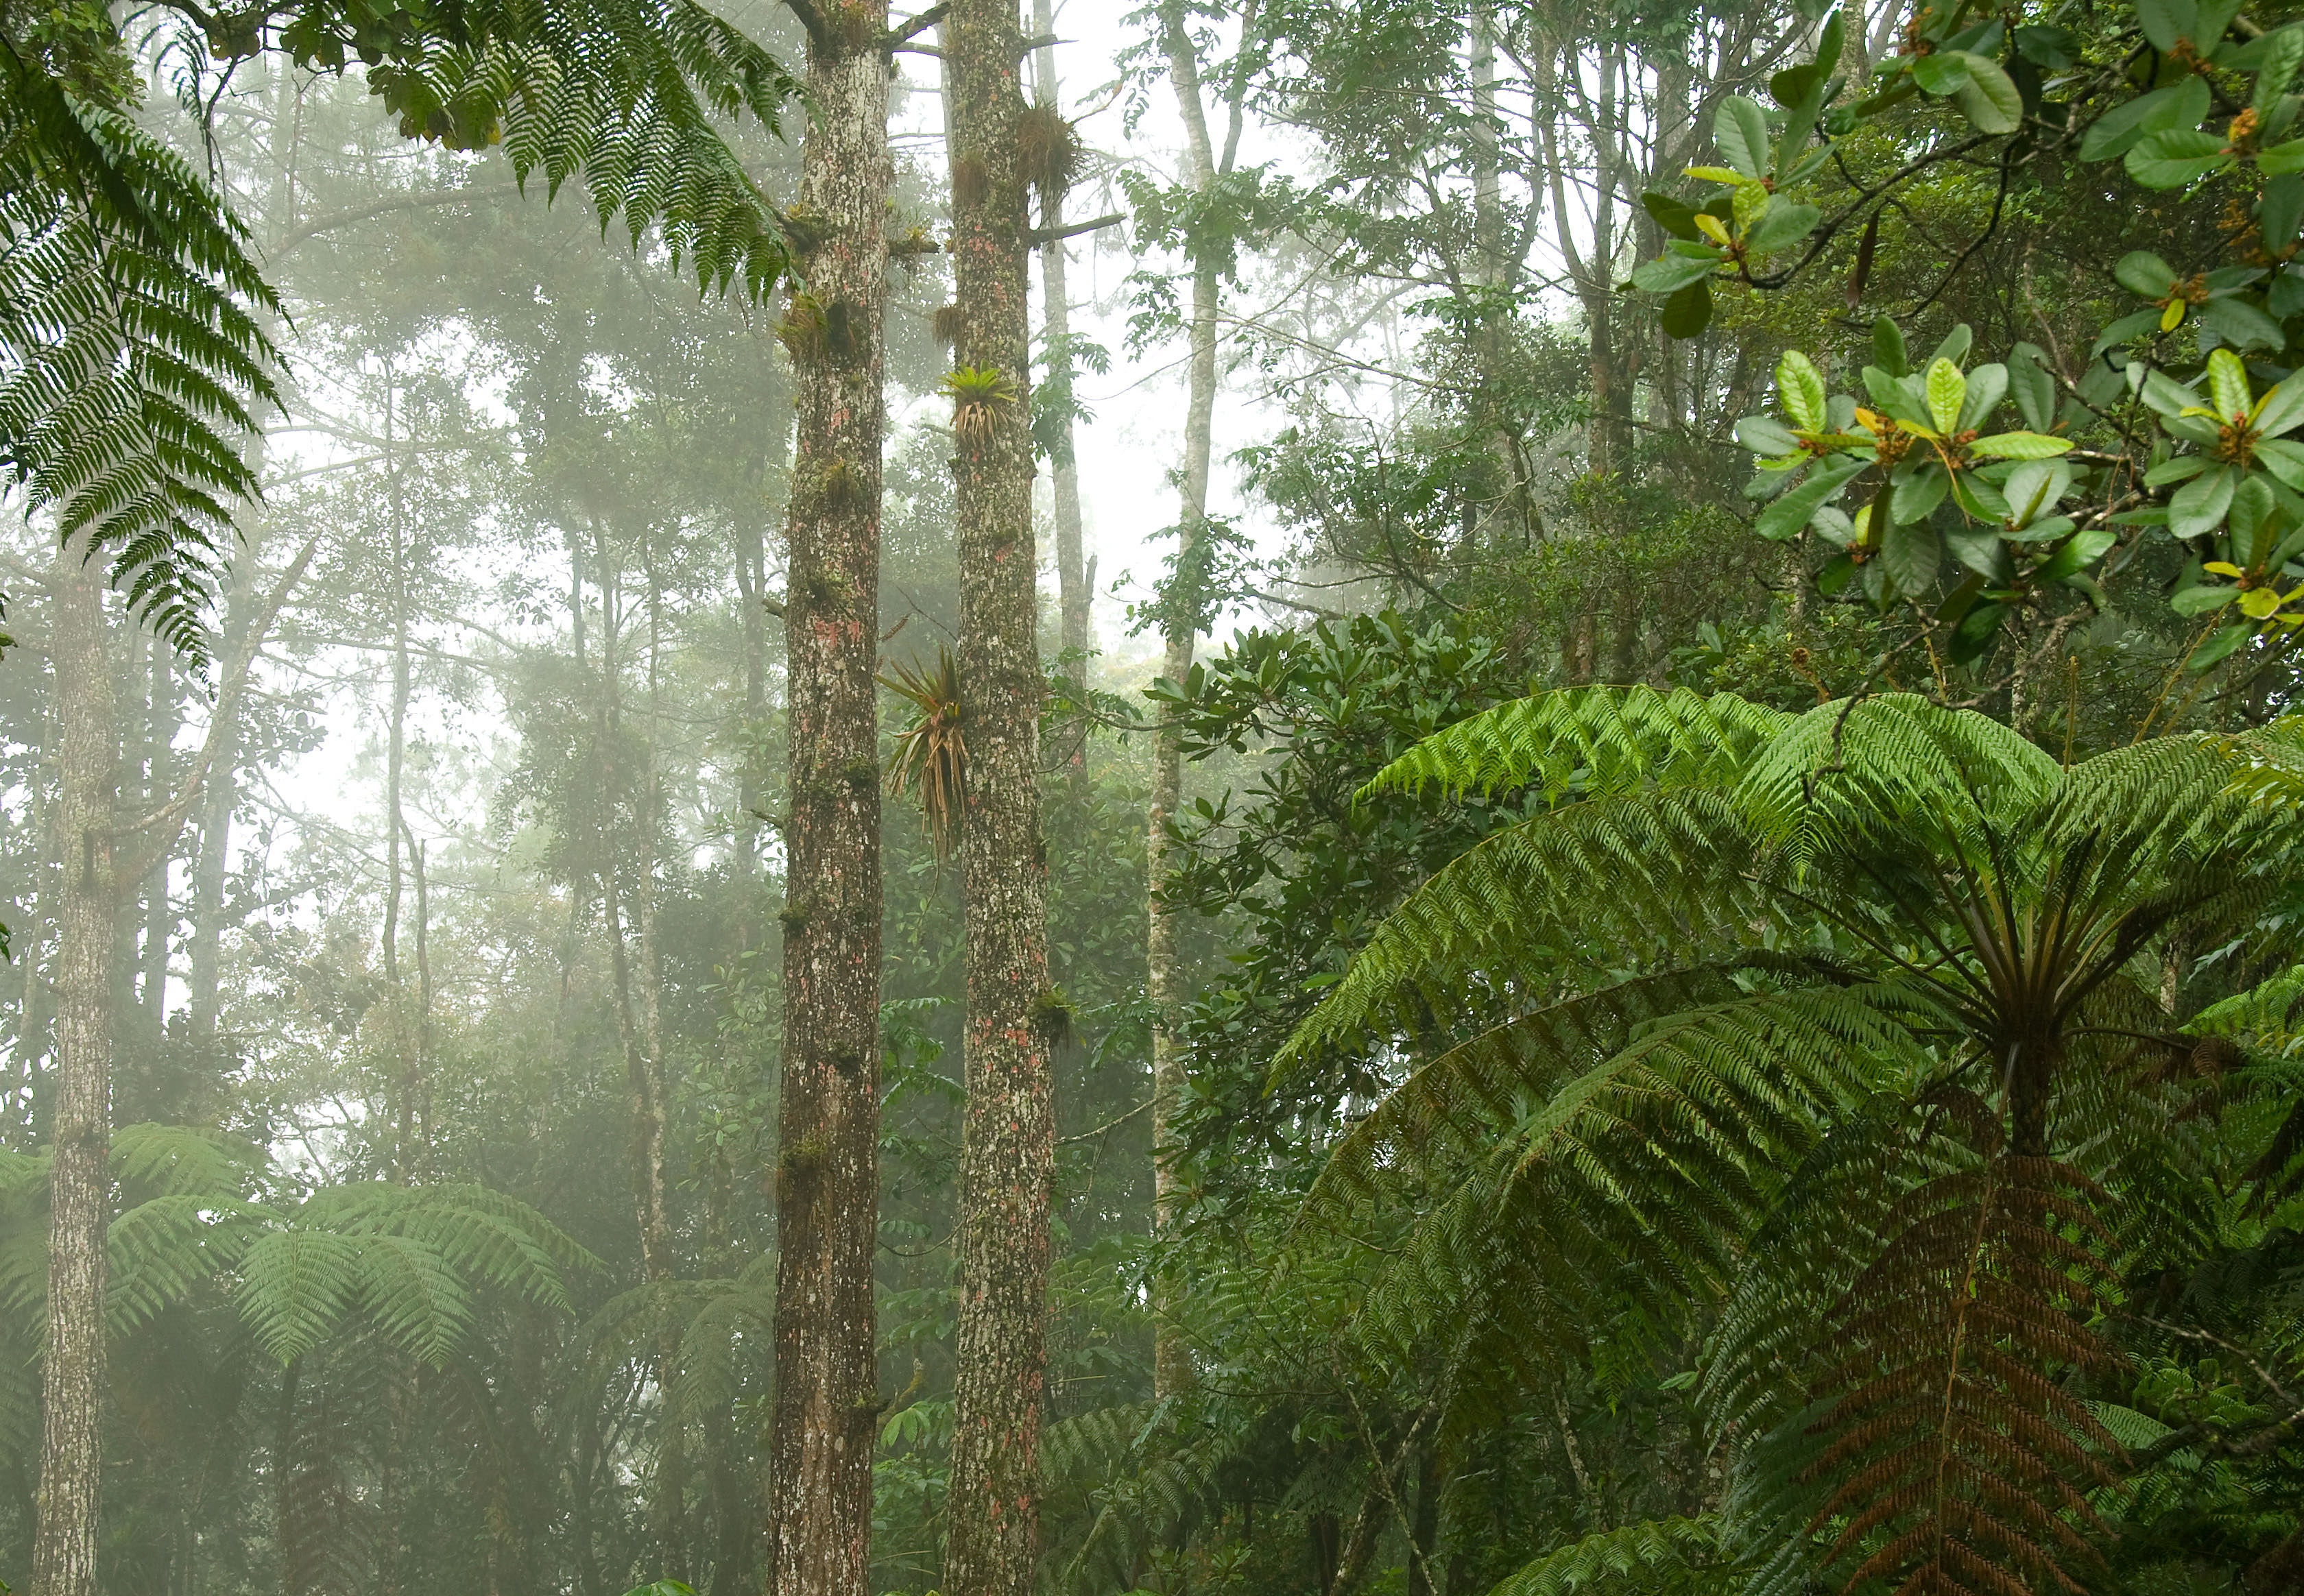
[1012, 1018]
[826, 1406]
[73, 1372]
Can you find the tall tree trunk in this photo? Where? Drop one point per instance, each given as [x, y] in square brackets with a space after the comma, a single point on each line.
[827, 1180]
[1171, 1365]
[219, 792]
[1006, 1147]
[159, 780]
[73, 1379]
[1076, 634]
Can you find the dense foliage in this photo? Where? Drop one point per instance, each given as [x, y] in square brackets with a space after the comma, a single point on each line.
[1739, 1026]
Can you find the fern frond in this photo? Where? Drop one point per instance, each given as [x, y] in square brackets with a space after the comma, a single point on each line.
[1656, 1556]
[158, 1252]
[1654, 1161]
[176, 1160]
[295, 1286]
[1592, 741]
[620, 95]
[1654, 870]
[132, 361]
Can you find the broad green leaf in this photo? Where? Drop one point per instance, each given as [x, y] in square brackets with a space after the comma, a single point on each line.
[1829, 41]
[1989, 100]
[2280, 213]
[2250, 513]
[1789, 514]
[1741, 130]
[1979, 500]
[1669, 273]
[2213, 651]
[2076, 553]
[1947, 391]
[2167, 22]
[1782, 226]
[2241, 324]
[2144, 275]
[1800, 389]
[1676, 216]
[2200, 600]
[1888, 352]
[2126, 328]
[1917, 492]
[2019, 446]
[1956, 343]
[2175, 157]
[1942, 72]
[2034, 488]
[1766, 436]
[2035, 390]
[2281, 409]
[2281, 159]
[1688, 312]
[2228, 385]
[2179, 105]
[2182, 468]
[2284, 460]
[1987, 385]
[1911, 553]
[2162, 393]
[2280, 52]
[2198, 506]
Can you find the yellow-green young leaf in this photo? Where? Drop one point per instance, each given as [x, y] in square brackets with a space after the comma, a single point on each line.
[1947, 392]
[1716, 174]
[1800, 387]
[2019, 446]
[2228, 385]
[1750, 200]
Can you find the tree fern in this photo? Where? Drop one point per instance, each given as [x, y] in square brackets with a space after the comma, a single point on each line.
[1878, 1144]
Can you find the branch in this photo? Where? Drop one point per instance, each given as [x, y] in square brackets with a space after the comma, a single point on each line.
[168, 820]
[1034, 237]
[897, 37]
[810, 19]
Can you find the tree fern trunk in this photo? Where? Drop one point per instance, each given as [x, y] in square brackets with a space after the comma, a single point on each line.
[73, 1377]
[827, 1165]
[1006, 1143]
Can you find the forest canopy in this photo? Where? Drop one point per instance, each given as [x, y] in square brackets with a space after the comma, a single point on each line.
[1642, 938]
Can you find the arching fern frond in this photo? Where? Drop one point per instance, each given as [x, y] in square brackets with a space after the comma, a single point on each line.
[1590, 740]
[131, 361]
[178, 1161]
[1654, 870]
[160, 1251]
[621, 94]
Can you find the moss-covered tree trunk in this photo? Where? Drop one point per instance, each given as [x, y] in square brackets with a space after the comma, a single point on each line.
[827, 1172]
[71, 1394]
[1006, 1144]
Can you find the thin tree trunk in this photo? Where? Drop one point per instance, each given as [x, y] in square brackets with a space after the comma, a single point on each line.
[73, 1377]
[826, 1406]
[1076, 634]
[1171, 1365]
[158, 784]
[1006, 1148]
